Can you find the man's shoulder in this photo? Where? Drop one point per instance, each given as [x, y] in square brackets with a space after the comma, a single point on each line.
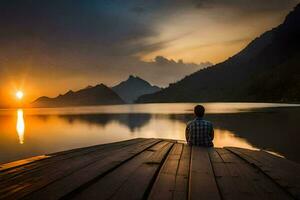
[207, 122]
[191, 122]
[199, 121]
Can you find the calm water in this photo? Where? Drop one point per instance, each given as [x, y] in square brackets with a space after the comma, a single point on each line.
[29, 132]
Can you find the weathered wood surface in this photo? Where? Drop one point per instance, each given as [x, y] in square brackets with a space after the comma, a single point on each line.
[284, 172]
[151, 169]
[238, 178]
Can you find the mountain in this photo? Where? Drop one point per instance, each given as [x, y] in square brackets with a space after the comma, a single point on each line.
[97, 95]
[134, 87]
[268, 70]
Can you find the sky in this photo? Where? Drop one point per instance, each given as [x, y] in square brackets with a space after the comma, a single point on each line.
[49, 47]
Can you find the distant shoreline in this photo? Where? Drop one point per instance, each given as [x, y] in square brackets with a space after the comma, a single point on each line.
[296, 104]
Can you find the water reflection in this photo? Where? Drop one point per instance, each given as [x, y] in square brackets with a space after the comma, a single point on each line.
[132, 121]
[20, 127]
[235, 130]
[274, 129]
[225, 138]
[153, 125]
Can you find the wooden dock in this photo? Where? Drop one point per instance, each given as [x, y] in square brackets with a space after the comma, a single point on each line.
[151, 169]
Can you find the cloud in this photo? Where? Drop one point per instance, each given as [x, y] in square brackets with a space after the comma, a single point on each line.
[162, 61]
[223, 43]
[168, 69]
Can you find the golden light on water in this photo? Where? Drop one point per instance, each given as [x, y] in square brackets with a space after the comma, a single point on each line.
[19, 94]
[62, 128]
[225, 138]
[20, 126]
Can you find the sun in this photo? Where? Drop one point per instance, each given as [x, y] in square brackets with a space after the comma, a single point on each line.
[19, 94]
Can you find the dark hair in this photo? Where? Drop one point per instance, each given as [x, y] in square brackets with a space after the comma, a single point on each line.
[199, 110]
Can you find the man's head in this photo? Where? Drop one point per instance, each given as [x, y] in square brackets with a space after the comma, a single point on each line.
[199, 110]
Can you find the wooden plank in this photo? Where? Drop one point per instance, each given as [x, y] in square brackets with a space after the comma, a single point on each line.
[87, 175]
[172, 181]
[110, 183]
[182, 176]
[16, 181]
[159, 155]
[184, 164]
[239, 180]
[233, 168]
[107, 185]
[164, 185]
[59, 156]
[18, 163]
[46, 177]
[202, 180]
[282, 171]
[225, 180]
[138, 185]
[19, 183]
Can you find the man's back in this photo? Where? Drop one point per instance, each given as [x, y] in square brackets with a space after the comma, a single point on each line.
[199, 132]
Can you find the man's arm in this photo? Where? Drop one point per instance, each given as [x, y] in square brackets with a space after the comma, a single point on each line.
[187, 132]
[212, 134]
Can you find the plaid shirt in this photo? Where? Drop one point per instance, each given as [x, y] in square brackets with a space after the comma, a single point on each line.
[199, 132]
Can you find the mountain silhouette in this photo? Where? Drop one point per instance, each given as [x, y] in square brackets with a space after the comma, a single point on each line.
[268, 69]
[97, 95]
[134, 87]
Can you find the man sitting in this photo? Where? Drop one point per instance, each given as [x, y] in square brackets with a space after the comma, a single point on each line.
[199, 132]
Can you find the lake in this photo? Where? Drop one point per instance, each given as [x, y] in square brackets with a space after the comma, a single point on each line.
[29, 132]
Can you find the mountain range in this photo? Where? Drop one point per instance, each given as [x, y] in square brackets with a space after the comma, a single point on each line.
[268, 70]
[133, 88]
[99, 94]
[125, 92]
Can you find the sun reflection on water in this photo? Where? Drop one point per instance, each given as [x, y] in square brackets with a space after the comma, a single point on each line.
[227, 138]
[20, 126]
